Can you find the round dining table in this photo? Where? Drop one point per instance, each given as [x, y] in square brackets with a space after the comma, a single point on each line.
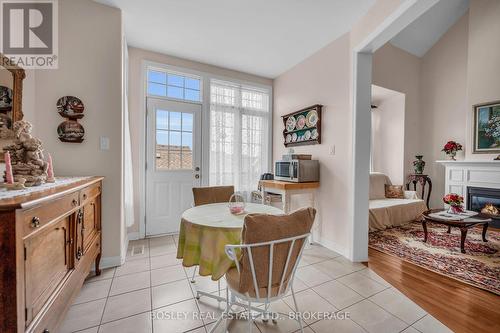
[205, 231]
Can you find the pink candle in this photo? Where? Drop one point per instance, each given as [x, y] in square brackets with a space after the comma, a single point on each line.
[50, 170]
[8, 169]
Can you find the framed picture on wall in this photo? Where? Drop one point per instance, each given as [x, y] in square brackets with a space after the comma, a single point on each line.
[487, 128]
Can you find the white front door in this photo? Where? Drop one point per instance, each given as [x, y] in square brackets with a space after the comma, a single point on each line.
[173, 162]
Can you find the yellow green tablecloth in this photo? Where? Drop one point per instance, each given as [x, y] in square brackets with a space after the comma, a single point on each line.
[205, 231]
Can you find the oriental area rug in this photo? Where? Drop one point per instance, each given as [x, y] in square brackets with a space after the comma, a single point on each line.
[479, 266]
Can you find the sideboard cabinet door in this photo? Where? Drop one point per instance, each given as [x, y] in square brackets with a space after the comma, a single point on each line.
[47, 262]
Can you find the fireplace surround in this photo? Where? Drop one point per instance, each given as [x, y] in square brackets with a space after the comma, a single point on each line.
[478, 198]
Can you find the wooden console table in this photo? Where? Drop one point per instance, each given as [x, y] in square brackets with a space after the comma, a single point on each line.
[49, 240]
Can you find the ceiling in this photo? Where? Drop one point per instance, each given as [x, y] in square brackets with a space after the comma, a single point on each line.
[262, 37]
[422, 34]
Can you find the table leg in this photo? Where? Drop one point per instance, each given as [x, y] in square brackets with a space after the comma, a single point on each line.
[449, 229]
[463, 231]
[285, 197]
[485, 227]
[424, 225]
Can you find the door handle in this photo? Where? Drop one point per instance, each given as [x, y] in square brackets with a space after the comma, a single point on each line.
[197, 176]
[197, 169]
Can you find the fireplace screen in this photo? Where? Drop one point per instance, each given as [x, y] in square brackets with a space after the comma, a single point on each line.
[486, 201]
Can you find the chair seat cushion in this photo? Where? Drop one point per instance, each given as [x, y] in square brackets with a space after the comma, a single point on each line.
[233, 281]
[259, 228]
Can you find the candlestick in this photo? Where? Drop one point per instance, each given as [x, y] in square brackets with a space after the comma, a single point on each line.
[50, 170]
[9, 178]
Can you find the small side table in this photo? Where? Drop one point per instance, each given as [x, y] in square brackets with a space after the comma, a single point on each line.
[423, 180]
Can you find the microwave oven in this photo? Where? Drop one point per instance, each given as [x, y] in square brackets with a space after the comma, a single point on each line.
[297, 171]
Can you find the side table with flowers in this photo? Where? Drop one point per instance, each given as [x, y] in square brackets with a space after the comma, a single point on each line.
[451, 148]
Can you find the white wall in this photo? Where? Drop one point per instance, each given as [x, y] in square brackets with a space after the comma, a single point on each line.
[90, 48]
[388, 133]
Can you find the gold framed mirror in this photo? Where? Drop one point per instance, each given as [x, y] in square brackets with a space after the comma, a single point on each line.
[11, 97]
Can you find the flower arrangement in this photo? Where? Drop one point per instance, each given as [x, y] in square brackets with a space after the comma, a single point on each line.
[455, 202]
[451, 148]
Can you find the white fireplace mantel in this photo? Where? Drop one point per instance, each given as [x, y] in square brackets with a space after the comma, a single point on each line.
[470, 173]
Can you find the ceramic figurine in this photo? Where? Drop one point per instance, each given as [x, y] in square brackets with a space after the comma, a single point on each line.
[26, 154]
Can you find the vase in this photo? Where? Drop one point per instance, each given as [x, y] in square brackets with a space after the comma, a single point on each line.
[455, 210]
[419, 165]
[452, 155]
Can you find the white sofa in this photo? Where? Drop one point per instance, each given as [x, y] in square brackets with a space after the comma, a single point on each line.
[386, 213]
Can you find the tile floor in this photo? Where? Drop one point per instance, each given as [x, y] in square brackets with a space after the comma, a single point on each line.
[152, 285]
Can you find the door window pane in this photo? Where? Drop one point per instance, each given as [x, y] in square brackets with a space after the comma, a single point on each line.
[157, 77]
[191, 83]
[192, 95]
[175, 80]
[174, 140]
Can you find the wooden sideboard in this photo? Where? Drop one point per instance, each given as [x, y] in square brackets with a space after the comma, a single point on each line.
[48, 242]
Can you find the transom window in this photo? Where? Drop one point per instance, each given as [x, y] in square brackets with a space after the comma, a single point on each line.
[174, 85]
[174, 140]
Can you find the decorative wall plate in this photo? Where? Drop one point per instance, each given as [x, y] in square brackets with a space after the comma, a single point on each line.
[301, 122]
[5, 99]
[307, 135]
[290, 123]
[70, 131]
[294, 137]
[312, 118]
[70, 107]
[314, 134]
[288, 138]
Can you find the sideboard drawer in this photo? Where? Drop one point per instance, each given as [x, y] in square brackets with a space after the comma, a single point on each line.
[89, 192]
[35, 218]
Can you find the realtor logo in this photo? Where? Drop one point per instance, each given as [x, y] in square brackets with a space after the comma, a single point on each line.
[29, 33]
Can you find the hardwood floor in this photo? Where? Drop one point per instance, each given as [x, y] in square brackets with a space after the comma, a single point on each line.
[461, 307]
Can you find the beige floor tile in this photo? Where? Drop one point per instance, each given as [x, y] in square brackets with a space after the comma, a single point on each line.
[106, 273]
[198, 330]
[361, 284]
[299, 285]
[130, 282]
[320, 252]
[338, 325]
[357, 266]
[285, 323]
[126, 305]
[334, 269]
[167, 294]
[399, 305]
[311, 305]
[133, 266]
[233, 326]
[83, 316]
[211, 308]
[164, 261]
[374, 276]
[138, 242]
[410, 330]
[161, 240]
[140, 323]
[167, 274]
[206, 284]
[180, 317]
[312, 276]
[90, 330]
[338, 294]
[93, 291]
[374, 319]
[429, 324]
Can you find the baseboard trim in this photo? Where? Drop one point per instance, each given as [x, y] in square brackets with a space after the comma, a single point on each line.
[134, 236]
[333, 246]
